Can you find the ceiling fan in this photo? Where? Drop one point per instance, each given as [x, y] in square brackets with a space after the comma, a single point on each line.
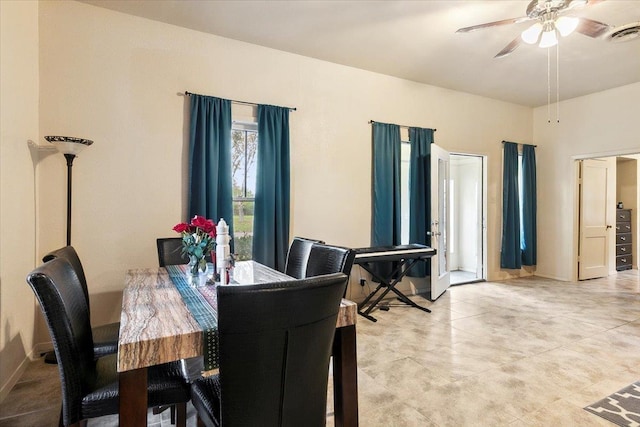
[550, 18]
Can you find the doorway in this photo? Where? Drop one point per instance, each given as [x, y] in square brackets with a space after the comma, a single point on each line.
[615, 198]
[467, 195]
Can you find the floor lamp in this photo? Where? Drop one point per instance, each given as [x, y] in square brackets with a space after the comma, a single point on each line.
[70, 147]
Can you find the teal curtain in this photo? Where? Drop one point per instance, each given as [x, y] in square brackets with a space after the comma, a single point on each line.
[420, 194]
[210, 193]
[271, 215]
[386, 221]
[386, 185]
[529, 206]
[510, 253]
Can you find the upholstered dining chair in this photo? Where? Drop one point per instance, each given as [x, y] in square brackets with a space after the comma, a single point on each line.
[170, 251]
[90, 386]
[326, 259]
[297, 257]
[275, 345]
[105, 337]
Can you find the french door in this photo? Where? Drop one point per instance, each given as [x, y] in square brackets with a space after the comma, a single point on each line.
[440, 226]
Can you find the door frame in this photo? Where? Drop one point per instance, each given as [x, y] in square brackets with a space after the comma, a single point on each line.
[576, 204]
[483, 226]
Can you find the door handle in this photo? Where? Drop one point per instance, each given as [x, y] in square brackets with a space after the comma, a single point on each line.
[608, 227]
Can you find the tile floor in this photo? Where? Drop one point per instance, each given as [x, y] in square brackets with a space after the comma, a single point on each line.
[524, 352]
[458, 277]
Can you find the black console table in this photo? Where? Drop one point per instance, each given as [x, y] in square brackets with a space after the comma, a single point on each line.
[405, 256]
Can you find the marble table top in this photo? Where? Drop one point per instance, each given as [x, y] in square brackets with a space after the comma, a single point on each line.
[156, 326]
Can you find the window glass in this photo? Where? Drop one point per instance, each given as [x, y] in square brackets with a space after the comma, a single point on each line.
[405, 155]
[520, 201]
[244, 143]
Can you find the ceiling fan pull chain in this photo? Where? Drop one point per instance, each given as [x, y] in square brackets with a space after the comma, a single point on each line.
[548, 86]
[558, 83]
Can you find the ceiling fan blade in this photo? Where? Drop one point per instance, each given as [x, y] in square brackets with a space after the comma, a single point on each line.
[592, 28]
[578, 4]
[493, 24]
[509, 48]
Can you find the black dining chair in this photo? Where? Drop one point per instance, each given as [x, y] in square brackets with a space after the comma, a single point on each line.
[275, 345]
[105, 337]
[297, 257]
[89, 385]
[170, 252]
[326, 259]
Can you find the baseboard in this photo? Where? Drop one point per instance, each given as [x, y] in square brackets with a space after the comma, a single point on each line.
[548, 276]
[15, 377]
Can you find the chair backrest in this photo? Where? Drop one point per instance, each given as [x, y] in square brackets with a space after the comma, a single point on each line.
[65, 310]
[70, 254]
[326, 259]
[275, 345]
[297, 257]
[170, 251]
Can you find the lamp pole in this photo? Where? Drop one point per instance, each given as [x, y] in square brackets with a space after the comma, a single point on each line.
[69, 158]
[70, 147]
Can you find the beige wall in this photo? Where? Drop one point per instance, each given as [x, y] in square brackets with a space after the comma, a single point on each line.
[18, 124]
[116, 79]
[598, 125]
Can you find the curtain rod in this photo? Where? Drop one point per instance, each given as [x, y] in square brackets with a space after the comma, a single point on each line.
[187, 93]
[517, 143]
[402, 126]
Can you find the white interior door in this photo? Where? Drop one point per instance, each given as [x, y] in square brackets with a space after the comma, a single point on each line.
[439, 220]
[593, 251]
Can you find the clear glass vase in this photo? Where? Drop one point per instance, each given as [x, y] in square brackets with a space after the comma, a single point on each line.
[197, 271]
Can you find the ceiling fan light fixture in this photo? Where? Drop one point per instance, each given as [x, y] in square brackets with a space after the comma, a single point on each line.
[548, 38]
[532, 34]
[566, 25]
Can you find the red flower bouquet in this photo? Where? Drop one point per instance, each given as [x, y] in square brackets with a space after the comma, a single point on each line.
[198, 240]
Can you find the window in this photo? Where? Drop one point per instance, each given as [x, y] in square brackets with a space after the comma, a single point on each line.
[521, 200]
[405, 158]
[244, 144]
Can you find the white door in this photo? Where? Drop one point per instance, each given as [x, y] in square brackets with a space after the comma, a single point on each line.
[593, 250]
[439, 220]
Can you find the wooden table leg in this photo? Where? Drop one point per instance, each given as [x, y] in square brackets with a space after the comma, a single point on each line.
[133, 398]
[345, 377]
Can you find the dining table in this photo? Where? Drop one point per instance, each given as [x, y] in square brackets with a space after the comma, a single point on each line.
[157, 326]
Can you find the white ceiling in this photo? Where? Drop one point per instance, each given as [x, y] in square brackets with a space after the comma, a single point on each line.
[416, 40]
